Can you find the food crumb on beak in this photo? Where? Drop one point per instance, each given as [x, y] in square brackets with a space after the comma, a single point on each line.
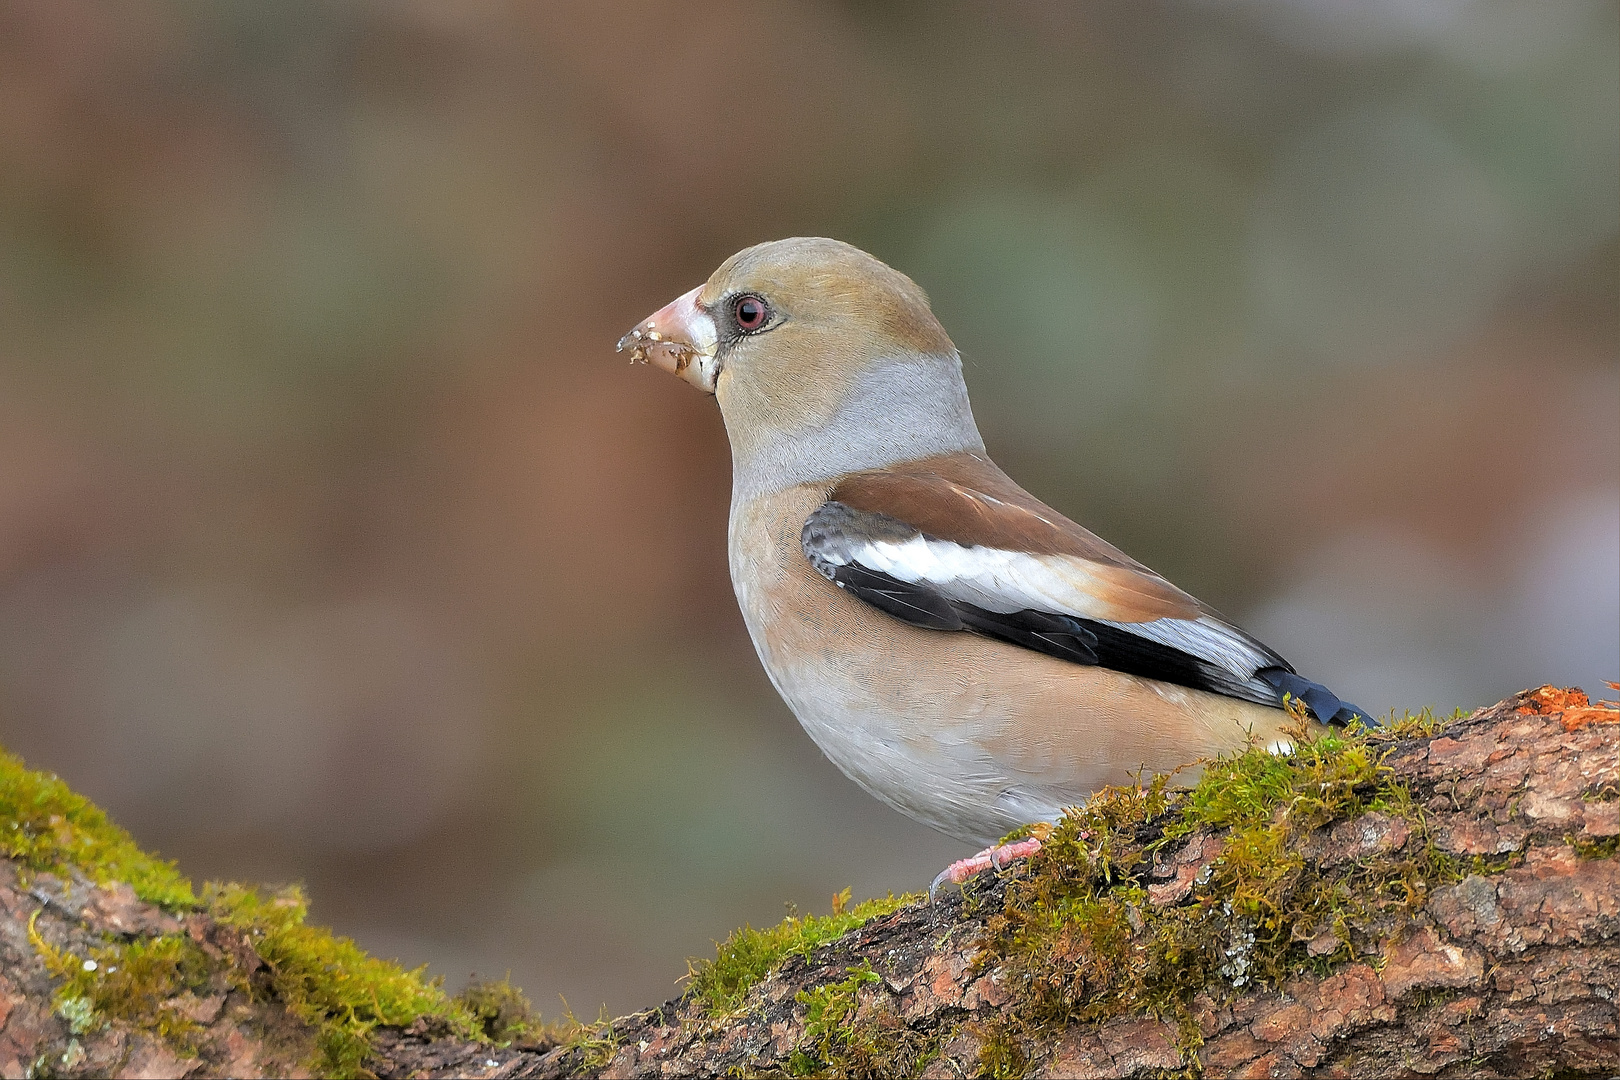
[640, 339]
[635, 339]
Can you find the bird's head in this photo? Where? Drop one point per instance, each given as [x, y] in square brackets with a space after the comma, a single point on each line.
[811, 345]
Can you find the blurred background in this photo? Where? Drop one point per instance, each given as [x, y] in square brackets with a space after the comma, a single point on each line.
[337, 545]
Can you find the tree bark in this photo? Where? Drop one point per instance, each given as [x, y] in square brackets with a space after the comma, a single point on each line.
[1506, 973]
[1510, 970]
[235, 1028]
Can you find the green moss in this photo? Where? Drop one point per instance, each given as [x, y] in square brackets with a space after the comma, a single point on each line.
[595, 1043]
[324, 980]
[748, 955]
[828, 1038]
[142, 982]
[835, 1043]
[1000, 1056]
[1421, 725]
[329, 982]
[502, 1011]
[1081, 940]
[1602, 848]
[46, 826]
[1337, 775]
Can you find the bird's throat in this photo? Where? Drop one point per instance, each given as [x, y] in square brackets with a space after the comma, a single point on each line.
[893, 411]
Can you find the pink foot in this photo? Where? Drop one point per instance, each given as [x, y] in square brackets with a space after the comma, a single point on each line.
[990, 858]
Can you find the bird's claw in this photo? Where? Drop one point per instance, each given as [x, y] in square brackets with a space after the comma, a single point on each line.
[991, 858]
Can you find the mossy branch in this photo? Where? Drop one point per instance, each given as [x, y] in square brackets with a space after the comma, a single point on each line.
[1415, 898]
[1377, 902]
[121, 950]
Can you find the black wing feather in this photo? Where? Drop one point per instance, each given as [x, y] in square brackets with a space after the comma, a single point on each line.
[833, 533]
[919, 606]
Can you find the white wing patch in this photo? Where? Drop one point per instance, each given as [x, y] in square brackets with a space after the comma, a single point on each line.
[989, 578]
[1009, 581]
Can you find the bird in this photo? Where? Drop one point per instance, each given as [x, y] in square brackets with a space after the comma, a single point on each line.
[960, 650]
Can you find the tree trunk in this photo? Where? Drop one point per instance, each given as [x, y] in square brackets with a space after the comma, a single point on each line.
[1507, 963]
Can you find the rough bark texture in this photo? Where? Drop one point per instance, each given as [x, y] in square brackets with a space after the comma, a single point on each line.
[1509, 971]
[1513, 973]
[238, 1034]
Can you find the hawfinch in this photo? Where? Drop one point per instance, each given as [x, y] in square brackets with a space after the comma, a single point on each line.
[958, 648]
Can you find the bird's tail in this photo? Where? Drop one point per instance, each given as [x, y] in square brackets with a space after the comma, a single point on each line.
[1323, 703]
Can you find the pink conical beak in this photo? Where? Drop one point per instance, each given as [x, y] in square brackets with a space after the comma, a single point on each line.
[680, 338]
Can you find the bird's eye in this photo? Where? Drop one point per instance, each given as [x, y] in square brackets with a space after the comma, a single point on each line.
[750, 312]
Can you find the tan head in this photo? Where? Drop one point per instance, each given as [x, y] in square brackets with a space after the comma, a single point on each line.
[823, 359]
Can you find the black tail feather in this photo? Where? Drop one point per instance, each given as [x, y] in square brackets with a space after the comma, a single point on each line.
[1322, 702]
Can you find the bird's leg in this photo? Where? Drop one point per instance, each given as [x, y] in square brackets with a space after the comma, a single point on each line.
[991, 858]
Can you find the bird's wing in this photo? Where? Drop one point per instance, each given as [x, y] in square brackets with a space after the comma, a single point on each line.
[951, 543]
